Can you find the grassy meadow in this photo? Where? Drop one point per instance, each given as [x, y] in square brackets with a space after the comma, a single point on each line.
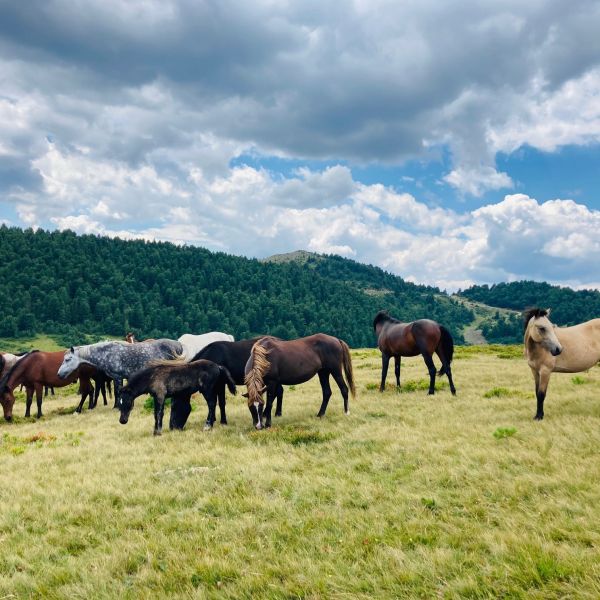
[410, 496]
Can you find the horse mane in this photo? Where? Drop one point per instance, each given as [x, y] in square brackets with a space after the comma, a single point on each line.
[383, 316]
[259, 363]
[531, 313]
[21, 362]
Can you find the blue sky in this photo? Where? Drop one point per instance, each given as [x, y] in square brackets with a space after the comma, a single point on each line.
[450, 143]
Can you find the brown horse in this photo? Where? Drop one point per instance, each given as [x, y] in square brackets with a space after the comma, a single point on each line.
[274, 362]
[424, 337]
[36, 370]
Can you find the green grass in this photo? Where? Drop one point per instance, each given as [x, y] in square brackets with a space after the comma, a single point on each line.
[409, 496]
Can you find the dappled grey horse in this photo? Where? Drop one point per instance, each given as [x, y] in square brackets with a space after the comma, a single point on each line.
[119, 360]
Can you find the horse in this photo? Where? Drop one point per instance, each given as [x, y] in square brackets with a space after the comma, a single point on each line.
[424, 337]
[130, 338]
[34, 371]
[8, 361]
[551, 349]
[274, 362]
[233, 356]
[192, 344]
[119, 360]
[178, 381]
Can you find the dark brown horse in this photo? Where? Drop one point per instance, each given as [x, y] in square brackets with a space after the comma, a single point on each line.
[36, 370]
[274, 362]
[424, 337]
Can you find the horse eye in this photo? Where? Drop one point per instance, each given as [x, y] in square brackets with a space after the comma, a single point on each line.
[542, 330]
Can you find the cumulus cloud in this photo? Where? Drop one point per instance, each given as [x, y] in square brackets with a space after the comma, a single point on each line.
[125, 117]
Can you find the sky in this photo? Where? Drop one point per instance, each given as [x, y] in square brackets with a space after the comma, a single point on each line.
[451, 143]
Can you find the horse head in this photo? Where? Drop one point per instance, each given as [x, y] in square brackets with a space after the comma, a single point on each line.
[7, 400]
[539, 329]
[126, 399]
[70, 362]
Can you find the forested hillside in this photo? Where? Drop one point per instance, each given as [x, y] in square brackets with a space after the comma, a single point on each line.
[58, 282]
[568, 306]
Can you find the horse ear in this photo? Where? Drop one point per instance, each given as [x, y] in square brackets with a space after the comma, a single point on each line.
[245, 395]
[548, 312]
[72, 350]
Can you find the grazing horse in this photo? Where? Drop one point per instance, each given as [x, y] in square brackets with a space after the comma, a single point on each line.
[274, 362]
[192, 344]
[36, 370]
[557, 349]
[424, 337]
[178, 381]
[119, 360]
[233, 356]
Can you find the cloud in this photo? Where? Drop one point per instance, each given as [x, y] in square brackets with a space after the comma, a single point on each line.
[126, 118]
[255, 213]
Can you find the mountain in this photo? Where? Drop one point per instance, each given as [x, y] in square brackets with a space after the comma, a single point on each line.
[70, 285]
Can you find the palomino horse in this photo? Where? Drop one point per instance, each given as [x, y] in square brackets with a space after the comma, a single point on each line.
[178, 381]
[36, 370]
[192, 344]
[274, 362]
[119, 360]
[233, 356]
[424, 337]
[560, 349]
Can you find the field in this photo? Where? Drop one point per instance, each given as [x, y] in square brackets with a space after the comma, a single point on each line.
[409, 496]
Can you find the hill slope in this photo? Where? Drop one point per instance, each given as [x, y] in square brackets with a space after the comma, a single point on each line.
[58, 282]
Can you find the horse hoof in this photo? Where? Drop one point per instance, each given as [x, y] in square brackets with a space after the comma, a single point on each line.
[207, 427]
[538, 418]
[157, 432]
[347, 412]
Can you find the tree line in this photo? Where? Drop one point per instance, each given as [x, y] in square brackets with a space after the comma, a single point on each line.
[76, 285]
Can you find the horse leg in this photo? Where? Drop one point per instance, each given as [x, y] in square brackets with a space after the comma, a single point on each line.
[271, 393]
[80, 405]
[118, 385]
[109, 386]
[279, 406]
[542, 380]
[397, 360]
[431, 367]
[159, 409]
[211, 400]
[338, 378]
[222, 402]
[29, 400]
[385, 361]
[326, 388]
[38, 398]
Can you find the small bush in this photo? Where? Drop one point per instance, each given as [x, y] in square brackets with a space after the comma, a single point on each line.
[498, 392]
[578, 380]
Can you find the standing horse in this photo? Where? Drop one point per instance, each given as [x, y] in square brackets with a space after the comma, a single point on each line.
[119, 360]
[178, 381]
[192, 344]
[424, 337]
[36, 370]
[274, 362]
[233, 356]
[557, 349]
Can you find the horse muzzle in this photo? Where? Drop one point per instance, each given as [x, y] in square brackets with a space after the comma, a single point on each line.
[556, 351]
[123, 419]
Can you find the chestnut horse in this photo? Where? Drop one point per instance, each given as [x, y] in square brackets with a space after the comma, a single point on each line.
[36, 370]
[424, 337]
[274, 362]
[551, 349]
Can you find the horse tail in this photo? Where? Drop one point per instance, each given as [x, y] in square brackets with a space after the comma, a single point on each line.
[447, 344]
[347, 363]
[258, 364]
[225, 375]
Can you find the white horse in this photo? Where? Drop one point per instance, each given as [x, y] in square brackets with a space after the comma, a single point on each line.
[192, 344]
[557, 349]
[8, 361]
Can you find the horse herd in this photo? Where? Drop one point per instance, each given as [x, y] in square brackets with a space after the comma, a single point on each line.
[212, 362]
